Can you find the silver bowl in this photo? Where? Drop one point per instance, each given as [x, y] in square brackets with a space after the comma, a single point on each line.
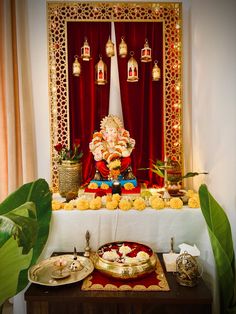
[125, 270]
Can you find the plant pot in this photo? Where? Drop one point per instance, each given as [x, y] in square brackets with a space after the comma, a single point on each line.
[69, 177]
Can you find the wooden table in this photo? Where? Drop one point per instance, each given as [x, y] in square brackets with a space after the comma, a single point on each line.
[70, 299]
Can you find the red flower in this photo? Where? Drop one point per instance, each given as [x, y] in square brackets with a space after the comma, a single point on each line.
[75, 154]
[58, 147]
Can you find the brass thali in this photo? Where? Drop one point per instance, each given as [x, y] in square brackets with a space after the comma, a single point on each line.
[43, 273]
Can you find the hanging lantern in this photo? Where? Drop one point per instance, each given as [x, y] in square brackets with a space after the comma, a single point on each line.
[110, 48]
[122, 48]
[100, 72]
[132, 69]
[76, 66]
[85, 51]
[156, 72]
[146, 53]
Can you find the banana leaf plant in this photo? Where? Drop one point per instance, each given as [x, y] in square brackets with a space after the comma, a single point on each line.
[25, 217]
[219, 230]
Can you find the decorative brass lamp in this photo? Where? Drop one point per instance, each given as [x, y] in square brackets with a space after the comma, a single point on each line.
[85, 51]
[156, 72]
[132, 69]
[122, 48]
[146, 53]
[100, 72]
[110, 48]
[76, 66]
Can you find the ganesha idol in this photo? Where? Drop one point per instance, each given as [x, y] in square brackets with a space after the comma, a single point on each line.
[112, 147]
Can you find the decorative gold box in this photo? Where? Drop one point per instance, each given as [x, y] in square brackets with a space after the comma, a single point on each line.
[125, 260]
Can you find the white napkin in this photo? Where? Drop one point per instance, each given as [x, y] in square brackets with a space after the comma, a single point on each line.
[192, 250]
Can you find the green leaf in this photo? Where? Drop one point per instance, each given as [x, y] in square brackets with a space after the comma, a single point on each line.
[157, 170]
[12, 207]
[222, 245]
[21, 223]
[39, 193]
[192, 174]
[12, 262]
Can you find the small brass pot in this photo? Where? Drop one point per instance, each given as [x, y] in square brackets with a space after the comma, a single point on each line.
[124, 271]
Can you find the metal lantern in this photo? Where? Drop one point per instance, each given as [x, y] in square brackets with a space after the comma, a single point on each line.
[100, 72]
[146, 53]
[156, 72]
[110, 48]
[85, 51]
[132, 69]
[122, 48]
[76, 66]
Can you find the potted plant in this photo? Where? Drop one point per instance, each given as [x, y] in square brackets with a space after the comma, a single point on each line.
[174, 174]
[69, 168]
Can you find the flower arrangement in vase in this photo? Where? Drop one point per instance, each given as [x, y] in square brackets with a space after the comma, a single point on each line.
[69, 169]
[73, 154]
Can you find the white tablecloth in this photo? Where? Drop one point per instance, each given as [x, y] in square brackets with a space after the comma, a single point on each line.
[152, 227]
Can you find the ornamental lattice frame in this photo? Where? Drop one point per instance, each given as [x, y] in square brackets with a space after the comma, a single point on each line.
[59, 13]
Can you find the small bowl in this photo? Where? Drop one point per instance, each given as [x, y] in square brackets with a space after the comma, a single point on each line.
[125, 270]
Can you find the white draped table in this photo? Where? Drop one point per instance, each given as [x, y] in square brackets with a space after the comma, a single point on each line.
[152, 227]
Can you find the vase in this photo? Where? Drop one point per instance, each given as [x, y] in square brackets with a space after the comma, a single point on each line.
[69, 177]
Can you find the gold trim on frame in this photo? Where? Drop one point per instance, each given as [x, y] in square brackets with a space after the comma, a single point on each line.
[59, 13]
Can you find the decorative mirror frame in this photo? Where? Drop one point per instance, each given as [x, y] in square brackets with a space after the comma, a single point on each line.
[59, 13]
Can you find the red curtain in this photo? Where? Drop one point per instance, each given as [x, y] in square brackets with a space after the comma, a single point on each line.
[88, 102]
[142, 101]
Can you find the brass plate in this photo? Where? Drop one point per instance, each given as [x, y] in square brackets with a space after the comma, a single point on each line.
[42, 273]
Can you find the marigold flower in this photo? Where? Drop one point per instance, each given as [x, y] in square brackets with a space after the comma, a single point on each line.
[139, 203]
[116, 197]
[125, 204]
[56, 205]
[157, 203]
[176, 203]
[190, 193]
[104, 186]
[96, 203]
[151, 198]
[112, 204]
[69, 206]
[128, 186]
[109, 198]
[194, 202]
[82, 204]
[114, 164]
[93, 186]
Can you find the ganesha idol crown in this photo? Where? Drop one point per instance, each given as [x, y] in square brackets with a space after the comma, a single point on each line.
[111, 121]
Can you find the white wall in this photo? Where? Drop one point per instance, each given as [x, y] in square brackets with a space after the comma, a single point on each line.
[213, 48]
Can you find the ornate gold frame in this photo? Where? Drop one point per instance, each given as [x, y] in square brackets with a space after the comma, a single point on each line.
[169, 13]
